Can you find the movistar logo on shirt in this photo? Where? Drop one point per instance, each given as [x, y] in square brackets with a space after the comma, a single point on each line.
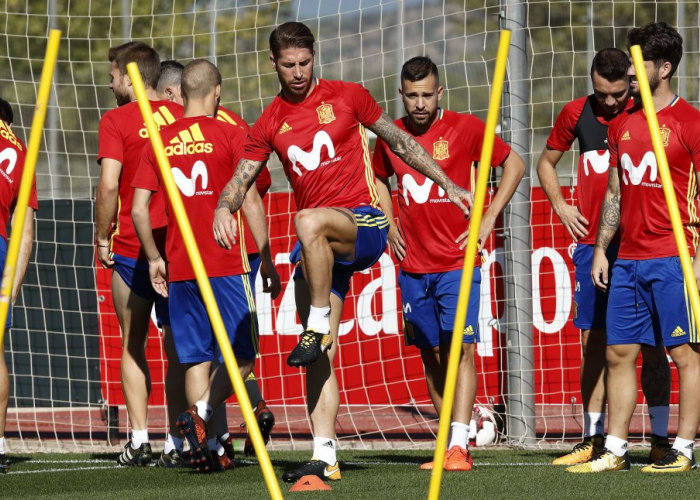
[188, 185]
[420, 193]
[162, 117]
[596, 161]
[312, 160]
[189, 141]
[634, 174]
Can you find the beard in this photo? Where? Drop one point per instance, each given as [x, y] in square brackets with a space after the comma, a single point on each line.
[121, 98]
[654, 82]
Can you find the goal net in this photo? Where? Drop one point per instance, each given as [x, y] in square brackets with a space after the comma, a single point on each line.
[63, 350]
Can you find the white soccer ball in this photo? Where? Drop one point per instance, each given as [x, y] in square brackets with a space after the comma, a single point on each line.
[482, 427]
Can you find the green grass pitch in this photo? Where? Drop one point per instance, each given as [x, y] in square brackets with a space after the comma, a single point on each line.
[506, 474]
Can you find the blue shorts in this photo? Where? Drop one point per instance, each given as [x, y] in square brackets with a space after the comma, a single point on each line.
[135, 274]
[429, 303]
[3, 257]
[193, 335]
[590, 304]
[254, 261]
[372, 230]
[648, 304]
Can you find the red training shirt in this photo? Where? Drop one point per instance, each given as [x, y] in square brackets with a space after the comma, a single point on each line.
[322, 144]
[429, 223]
[122, 136]
[645, 225]
[590, 128]
[203, 154]
[12, 155]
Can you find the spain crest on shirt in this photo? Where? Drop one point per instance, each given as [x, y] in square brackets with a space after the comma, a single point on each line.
[665, 134]
[441, 149]
[325, 114]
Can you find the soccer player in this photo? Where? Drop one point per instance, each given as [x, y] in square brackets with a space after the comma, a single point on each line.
[318, 130]
[169, 86]
[648, 301]
[586, 119]
[122, 136]
[203, 152]
[13, 153]
[430, 238]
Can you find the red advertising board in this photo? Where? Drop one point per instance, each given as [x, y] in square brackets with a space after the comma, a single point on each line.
[375, 367]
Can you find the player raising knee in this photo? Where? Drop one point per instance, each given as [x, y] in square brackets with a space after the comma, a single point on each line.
[587, 120]
[430, 238]
[203, 152]
[318, 130]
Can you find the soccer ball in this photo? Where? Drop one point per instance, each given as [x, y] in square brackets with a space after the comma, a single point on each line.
[482, 427]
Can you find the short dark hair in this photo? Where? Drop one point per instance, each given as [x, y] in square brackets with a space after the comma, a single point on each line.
[170, 74]
[291, 35]
[418, 68]
[659, 42]
[611, 63]
[199, 78]
[145, 57]
[6, 113]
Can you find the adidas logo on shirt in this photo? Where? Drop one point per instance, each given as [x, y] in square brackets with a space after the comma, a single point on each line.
[678, 332]
[284, 128]
[626, 136]
[162, 117]
[222, 116]
[189, 141]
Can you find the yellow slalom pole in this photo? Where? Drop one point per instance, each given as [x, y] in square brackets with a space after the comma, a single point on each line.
[666, 181]
[27, 180]
[468, 267]
[203, 282]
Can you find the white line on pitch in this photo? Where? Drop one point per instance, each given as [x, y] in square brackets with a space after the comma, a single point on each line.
[44, 471]
[87, 461]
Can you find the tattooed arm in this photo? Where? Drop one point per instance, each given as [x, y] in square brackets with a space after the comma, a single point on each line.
[231, 200]
[607, 227]
[415, 156]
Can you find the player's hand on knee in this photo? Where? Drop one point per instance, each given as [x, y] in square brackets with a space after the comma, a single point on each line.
[225, 228]
[270, 279]
[159, 276]
[599, 270]
[396, 242]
